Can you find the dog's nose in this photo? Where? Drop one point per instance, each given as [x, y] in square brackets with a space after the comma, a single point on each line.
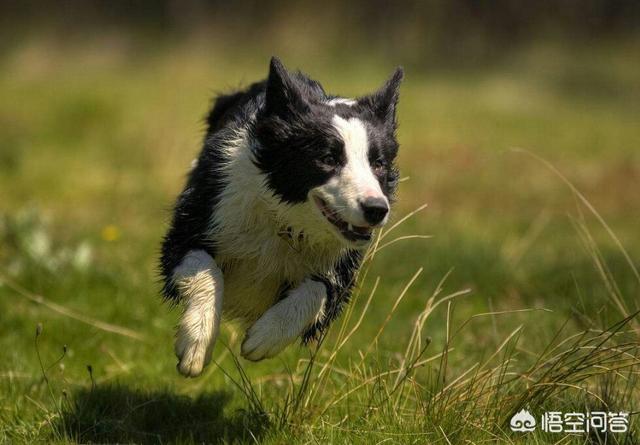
[374, 209]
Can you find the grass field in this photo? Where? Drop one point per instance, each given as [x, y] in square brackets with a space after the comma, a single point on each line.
[523, 296]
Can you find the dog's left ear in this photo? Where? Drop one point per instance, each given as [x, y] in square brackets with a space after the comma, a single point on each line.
[283, 94]
[383, 102]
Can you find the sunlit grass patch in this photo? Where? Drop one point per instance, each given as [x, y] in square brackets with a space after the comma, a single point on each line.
[414, 392]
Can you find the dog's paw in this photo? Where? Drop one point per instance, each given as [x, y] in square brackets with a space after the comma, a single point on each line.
[193, 354]
[265, 339]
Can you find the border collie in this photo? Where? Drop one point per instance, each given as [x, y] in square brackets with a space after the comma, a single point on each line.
[277, 210]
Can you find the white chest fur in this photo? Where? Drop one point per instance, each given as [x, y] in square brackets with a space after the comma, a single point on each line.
[252, 246]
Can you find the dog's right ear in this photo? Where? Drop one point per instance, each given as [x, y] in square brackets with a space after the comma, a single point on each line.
[283, 96]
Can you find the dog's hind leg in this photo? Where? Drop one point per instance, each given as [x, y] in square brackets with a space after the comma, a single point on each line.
[285, 321]
[199, 283]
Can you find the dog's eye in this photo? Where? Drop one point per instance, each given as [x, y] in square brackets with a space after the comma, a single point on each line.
[329, 160]
[378, 164]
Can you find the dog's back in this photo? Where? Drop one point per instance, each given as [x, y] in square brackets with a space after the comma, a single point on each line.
[226, 106]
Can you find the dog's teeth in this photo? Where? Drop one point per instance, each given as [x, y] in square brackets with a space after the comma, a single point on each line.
[350, 227]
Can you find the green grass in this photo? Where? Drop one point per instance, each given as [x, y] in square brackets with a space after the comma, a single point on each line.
[96, 138]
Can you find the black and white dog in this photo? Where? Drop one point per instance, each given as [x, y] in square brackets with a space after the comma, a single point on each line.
[284, 197]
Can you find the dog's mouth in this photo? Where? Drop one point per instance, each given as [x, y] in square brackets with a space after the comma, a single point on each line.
[347, 230]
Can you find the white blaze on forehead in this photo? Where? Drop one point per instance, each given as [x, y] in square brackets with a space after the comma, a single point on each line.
[354, 136]
[356, 174]
[342, 100]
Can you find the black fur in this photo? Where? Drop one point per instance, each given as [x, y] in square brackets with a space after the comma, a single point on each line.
[339, 286]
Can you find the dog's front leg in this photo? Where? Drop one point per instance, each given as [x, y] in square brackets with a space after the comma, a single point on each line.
[285, 321]
[199, 282]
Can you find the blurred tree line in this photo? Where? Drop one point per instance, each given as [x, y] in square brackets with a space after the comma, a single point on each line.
[409, 28]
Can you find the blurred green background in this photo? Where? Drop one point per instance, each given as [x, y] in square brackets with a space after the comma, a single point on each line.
[101, 113]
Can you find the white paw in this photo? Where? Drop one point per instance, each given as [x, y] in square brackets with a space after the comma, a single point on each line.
[200, 284]
[265, 339]
[193, 353]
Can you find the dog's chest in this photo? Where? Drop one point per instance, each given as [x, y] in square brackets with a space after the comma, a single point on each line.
[252, 284]
[256, 252]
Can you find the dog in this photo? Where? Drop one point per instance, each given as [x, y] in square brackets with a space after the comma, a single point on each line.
[277, 210]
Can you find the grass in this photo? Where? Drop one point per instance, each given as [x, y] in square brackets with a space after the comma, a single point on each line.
[524, 295]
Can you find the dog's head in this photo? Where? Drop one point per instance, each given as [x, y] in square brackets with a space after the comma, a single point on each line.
[334, 157]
